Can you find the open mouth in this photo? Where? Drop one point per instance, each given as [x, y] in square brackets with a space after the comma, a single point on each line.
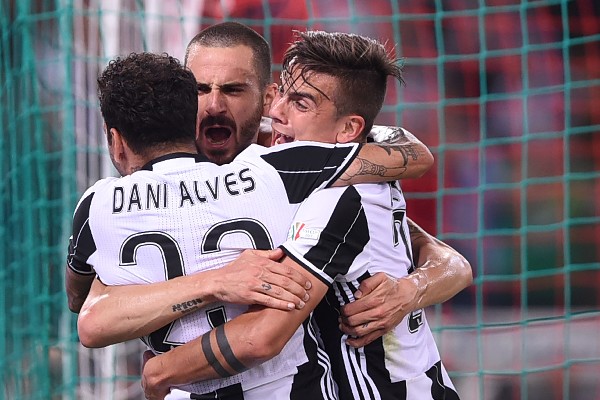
[217, 135]
[279, 138]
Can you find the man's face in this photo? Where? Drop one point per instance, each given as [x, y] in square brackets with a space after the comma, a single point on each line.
[304, 109]
[230, 100]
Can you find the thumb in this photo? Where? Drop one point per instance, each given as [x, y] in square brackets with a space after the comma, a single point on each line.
[274, 254]
[146, 356]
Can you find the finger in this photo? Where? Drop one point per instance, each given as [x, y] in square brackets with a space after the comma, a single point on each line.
[272, 302]
[357, 307]
[148, 354]
[289, 273]
[361, 329]
[364, 340]
[285, 284]
[369, 284]
[274, 254]
[289, 291]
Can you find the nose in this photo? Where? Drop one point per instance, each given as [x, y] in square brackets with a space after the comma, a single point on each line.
[278, 108]
[216, 102]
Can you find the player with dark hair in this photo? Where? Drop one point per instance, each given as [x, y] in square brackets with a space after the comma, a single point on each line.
[232, 64]
[173, 213]
[365, 232]
[361, 235]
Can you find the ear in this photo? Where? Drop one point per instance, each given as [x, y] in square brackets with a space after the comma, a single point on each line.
[119, 147]
[353, 128]
[270, 93]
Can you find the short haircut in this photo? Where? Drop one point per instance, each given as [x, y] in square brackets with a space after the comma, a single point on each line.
[151, 99]
[231, 34]
[360, 64]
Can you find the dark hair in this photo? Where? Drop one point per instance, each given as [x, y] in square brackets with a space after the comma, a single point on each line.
[360, 64]
[151, 99]
[231, 34]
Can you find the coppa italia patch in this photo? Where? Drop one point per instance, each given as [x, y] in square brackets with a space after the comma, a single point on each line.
[298, 230]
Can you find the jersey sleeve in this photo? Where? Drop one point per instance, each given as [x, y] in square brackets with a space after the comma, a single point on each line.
[327, 240]
[307, 166]
[81, 242]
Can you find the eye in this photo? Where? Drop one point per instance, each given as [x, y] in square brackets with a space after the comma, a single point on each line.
[203, 88]
[232, 89]
[299, 104]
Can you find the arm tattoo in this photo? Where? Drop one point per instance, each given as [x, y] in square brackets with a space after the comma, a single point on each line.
[227, 352]
[407, 150]
[368, 168]
[211, 358]
[187, 306]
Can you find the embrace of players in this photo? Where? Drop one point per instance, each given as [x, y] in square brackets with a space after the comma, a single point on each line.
[332, 307]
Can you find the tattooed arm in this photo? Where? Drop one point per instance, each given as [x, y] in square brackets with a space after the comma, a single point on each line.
[401, 156]
[242, 343]
[113, 314]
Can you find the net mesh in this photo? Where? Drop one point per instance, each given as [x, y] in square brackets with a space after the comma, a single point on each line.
[503, 92]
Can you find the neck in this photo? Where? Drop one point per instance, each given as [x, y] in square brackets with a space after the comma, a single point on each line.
[137, 161]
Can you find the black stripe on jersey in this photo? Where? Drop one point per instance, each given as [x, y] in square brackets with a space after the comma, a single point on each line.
[347, 368]
[304, 168]
[406, 241]
[233, 392]
[81, 244]
[313, 379]
[343, 238]
[439, 391]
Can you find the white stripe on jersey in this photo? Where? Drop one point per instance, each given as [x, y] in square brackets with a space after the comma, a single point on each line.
[308, 171]
[355, 357]
[323, 360]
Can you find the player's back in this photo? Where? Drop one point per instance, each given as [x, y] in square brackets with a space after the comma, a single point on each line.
[178, 216]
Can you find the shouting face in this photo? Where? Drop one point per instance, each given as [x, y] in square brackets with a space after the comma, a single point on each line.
[230, 100]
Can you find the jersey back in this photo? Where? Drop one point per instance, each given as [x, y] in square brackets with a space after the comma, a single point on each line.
[181, 216]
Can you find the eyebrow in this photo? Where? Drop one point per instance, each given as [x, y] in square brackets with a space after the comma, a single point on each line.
[305, 95]
[223, 86]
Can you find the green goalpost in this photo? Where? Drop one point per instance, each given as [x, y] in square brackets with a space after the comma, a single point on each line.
[505, 93]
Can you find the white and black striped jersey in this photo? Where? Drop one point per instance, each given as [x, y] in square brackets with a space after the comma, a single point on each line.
[181, 214]
[362, 231]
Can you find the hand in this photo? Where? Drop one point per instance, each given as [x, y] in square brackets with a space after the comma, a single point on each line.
[255, 277]
[148, 354]
[382, 302]
[153, 388]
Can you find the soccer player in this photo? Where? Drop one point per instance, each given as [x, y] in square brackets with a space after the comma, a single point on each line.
[232, 65]
[173, 213]
[333, 87]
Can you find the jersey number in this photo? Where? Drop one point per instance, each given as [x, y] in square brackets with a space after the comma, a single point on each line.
[174, 266]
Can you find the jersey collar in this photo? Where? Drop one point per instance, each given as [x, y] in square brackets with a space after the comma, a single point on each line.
[198, 158]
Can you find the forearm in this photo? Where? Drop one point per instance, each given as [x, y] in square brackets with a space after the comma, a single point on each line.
[404, 157]
[243, 342]
[227, 350]
[77, 287]
[442, 272]
[114, 314]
